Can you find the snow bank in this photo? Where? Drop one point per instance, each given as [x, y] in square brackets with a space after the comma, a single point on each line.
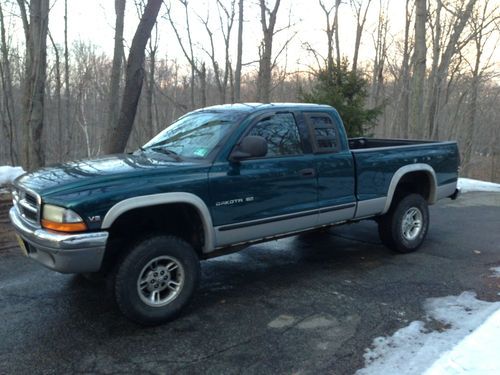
[468, 184]
[9, 174]
[414, 348]
[476, 354]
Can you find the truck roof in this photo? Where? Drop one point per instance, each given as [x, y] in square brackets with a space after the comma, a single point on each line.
[254, 107]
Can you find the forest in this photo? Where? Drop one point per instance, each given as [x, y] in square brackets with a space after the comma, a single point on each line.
[426, 69]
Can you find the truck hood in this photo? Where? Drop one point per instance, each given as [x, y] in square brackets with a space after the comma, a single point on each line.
[81, 174]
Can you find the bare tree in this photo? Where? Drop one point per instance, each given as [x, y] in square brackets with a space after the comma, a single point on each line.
[10, 118]
[331, 27]
[268, 23]
[380, 55]
[188, 51]
[361, 14]
[150, 83]
[68, 133]
[479, 23]
[58, 99]
[149, 78]
[114, 84]
[239, 54]
[405, 76]
[438, 84]
[35, 30]
[226, 20]
[419, 65]
[336, 21]
[134, 79]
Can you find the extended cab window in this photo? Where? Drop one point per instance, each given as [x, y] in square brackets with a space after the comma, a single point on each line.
[281, 133]
[324, 132]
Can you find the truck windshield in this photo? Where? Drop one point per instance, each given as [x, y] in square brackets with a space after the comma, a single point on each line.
[194, 135]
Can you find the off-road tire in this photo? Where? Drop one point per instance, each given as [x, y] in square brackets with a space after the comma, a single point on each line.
[127, 274]
[391, 227]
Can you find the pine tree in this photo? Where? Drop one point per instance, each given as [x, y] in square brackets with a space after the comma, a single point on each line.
[346, 91]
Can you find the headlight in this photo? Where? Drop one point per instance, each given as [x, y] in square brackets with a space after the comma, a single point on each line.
[61, 219]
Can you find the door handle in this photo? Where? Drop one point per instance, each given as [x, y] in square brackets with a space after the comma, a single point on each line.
[308, 172]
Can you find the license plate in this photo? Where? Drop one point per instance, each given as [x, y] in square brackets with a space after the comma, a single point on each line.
[22, 245]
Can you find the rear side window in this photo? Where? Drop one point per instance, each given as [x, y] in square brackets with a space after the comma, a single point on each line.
[282, 135]
[323, 132]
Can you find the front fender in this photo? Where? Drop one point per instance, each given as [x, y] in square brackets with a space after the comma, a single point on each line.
[165, 198]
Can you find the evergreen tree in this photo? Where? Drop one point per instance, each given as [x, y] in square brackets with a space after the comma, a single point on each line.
[346, 91]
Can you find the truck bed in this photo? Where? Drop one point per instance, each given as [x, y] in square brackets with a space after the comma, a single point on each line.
[377, 160]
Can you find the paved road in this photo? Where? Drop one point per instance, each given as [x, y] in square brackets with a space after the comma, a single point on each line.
[309, 304]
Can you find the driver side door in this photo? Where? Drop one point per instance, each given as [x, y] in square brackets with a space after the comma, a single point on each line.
[260, 197]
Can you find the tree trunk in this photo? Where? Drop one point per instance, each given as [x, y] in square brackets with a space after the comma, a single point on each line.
[68, 134]
[419, 64]
[150, 85]
[329, 37]
[336, 22]
[8, 96]
[480, 33]
[239, 54]
[58, 100]
[134, 79]
[471, 117]
[114, 85]
[380, 56]
[264, 78]
[202, 75]
[360, 25]
[34, 86]
[189, 54]
[439, 90]
[405, 78]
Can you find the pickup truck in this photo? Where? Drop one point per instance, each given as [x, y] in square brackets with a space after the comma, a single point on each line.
[216, 180]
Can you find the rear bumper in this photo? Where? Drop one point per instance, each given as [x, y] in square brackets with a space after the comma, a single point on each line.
[65, 253]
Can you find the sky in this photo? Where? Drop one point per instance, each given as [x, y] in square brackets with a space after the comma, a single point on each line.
[93, 20]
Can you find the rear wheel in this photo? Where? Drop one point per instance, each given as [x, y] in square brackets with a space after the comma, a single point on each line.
[405, 226]
[156, 279]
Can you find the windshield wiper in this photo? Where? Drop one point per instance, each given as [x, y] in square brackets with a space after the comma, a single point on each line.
[171, 153]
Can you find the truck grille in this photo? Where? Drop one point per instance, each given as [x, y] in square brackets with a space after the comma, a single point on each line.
[28, 205]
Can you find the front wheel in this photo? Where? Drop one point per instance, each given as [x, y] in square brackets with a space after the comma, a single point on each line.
[156, 279]
[405, 226]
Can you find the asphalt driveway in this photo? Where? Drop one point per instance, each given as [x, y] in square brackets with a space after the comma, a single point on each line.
[307, 304]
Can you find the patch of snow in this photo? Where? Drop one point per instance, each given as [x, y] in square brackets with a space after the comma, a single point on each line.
[496, 271]
[467, 184]
[412, 349]
[476, 354]
[9, 174]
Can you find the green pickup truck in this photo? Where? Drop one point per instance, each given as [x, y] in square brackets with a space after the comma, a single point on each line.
[216, 180]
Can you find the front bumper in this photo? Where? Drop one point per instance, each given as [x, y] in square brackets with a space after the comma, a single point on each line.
[65, 253]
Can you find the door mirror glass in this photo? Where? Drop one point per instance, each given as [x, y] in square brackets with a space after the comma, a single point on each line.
[252, 146]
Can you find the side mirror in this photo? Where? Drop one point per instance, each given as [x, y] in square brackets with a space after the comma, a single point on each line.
[252, 146]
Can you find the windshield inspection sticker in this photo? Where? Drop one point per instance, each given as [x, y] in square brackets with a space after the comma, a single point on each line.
[234, 201]
[200, 152]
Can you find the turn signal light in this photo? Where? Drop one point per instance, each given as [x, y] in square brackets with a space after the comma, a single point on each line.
[64, 227]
